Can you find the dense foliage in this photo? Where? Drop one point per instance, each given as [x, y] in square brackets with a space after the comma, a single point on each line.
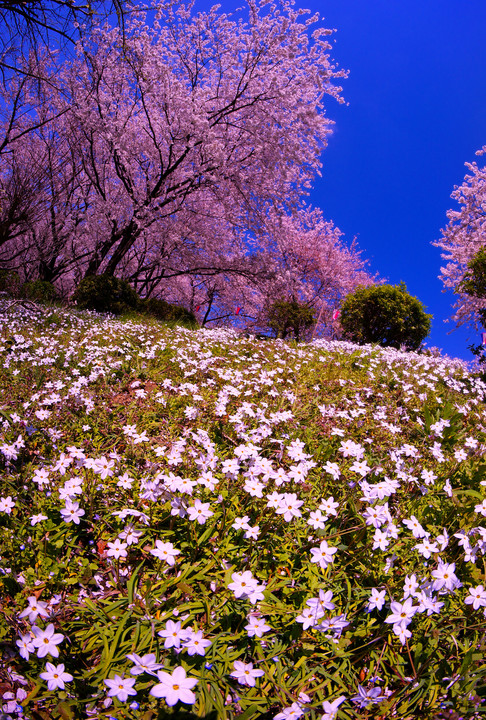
[191, 519]
[463, 238]
[289, 317]
[167, 312]
[10, 283]
[385, 314]
[40, 290]
[105, 293]
[474, 280]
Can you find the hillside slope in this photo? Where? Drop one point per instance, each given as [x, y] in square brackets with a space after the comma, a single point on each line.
[192, 521]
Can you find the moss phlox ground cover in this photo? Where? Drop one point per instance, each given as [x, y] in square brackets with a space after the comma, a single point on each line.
[198, 521]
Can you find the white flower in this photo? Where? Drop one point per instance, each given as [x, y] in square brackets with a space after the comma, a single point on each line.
[329, 506]
[245, 673]
[256, 626]
[199, 511]
[476, 597]
[402, 613]
[46, 641]
[245, 586]
[72, 512]
[323, 555]
[481, 508]
[241, 523]
[6, 504]
[173, 634]
[195, 643]
[290, 713]
[331, 708]
[120, 687]
[117, 549]
[174, 688]
[317, 519]
[36, 607]
[25, 646]
[289, 506]
[416, 528]
[403, 632]
[165, 551]
[55, 676]
[445, 577]
[377, 599]
[145, 663]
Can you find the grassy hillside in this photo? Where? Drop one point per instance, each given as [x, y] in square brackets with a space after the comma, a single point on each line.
[197, 524]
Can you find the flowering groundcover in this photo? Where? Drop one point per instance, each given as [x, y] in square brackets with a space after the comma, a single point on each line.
[194, 520]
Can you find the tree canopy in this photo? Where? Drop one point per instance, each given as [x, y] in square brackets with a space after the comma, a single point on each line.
[463, 241]
[175, 150]
[385, 314]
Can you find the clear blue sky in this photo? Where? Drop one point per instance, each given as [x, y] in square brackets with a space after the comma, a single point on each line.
[416, 112]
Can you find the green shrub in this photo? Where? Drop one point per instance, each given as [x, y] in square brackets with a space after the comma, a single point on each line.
[39, 290]
[474, 281]
[385, 314]
[289, 316]
[105, 293]
[474, 284]
[167, 312]
[9, 282]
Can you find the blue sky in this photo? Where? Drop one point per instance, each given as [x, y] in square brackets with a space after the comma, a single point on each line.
[416, 112]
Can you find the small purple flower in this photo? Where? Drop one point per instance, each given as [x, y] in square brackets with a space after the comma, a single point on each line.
[368, 697]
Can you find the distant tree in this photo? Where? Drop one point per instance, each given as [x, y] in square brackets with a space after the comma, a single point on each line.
[474, 281]
[385, 314]
[298, 255]
[287, 317]
[310, 262]
[473, 284]
[105, 293]
[462, 240]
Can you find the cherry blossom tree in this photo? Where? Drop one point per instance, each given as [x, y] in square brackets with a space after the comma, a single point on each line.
[311, 263]
[176, 155]
[42, 208]
[31, 28]
[198, 104]
[298, 257]
[463, 237]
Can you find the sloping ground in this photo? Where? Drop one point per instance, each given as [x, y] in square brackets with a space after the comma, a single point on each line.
[197, 522]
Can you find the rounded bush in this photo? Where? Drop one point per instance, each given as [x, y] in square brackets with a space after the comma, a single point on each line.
[167, 312]
[289, 316]
[39, 290]
[105, 293]
[385, 314]
[9, 282]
